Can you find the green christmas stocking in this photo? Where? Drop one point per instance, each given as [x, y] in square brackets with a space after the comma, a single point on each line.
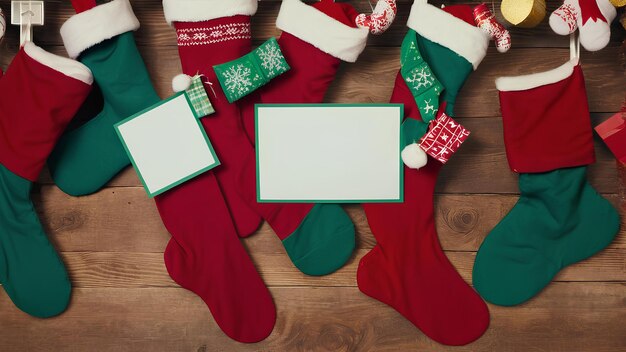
[452, 54]
[87, 157]
[40, 93]
[559, 218]
[435, 65]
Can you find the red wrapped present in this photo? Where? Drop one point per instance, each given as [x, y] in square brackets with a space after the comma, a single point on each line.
[613, 133]
[444, 138]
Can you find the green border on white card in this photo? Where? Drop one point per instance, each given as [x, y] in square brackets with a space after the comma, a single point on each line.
[349, 201]
[184, 179]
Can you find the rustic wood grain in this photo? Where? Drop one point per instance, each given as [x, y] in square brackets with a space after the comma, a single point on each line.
[566, 317]
[112, 241]
[133, 260]
[102, 269]
[124, 219]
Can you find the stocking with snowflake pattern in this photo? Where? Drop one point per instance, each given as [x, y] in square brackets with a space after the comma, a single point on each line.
[407, 269]
[319, 239]
[315, 39]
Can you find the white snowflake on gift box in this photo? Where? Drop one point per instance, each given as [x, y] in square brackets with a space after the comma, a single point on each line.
[420, 77]
[272, 59]
[238, 79]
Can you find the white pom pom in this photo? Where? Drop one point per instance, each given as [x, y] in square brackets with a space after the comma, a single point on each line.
[181, 82]
[413, 156]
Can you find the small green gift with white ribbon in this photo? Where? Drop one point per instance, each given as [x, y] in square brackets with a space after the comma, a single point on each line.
[248, 73]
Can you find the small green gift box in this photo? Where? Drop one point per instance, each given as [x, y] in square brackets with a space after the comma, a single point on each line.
[248, 73]
[199, 99]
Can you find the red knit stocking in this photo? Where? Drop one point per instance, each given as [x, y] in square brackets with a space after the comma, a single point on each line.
[408, 269]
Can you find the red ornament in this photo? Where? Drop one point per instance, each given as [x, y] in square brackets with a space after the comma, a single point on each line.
[486, 21]
[381, 19]
[444, 138]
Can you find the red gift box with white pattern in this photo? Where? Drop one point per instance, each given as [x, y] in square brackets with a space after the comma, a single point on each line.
[444, 138]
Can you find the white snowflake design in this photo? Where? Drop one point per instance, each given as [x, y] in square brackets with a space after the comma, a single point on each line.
[238, 79]
[420, 77]
[214, 34]
[428, 107]
[272, 59]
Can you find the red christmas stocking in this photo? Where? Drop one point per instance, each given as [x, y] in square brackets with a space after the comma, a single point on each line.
[314, 41]
[201, 45]
[205, 255]
[407, 269]
[318, 239]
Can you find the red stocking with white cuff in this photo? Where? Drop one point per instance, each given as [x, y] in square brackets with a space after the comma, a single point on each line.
[205, 254]
[318, 239]
[314, 41]
[407, 268]
[211, 33]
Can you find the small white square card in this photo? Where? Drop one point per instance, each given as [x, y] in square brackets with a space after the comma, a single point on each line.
[167, 144]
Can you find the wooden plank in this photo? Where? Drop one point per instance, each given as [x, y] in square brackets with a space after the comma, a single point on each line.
[126, 220]
[102, 269]
[566, 317]
[155, 31]
[480, 166]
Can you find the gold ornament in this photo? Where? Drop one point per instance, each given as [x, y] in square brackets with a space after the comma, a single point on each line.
[524, 13]
[618, 3]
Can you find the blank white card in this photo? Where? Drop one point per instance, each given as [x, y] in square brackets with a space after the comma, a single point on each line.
[167, 144]
[329, 153]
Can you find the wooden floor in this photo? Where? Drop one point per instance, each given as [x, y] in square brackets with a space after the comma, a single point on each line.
[113, 241]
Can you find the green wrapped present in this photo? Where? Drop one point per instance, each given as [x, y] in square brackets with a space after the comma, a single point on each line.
[248, 73]
[198, 97]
